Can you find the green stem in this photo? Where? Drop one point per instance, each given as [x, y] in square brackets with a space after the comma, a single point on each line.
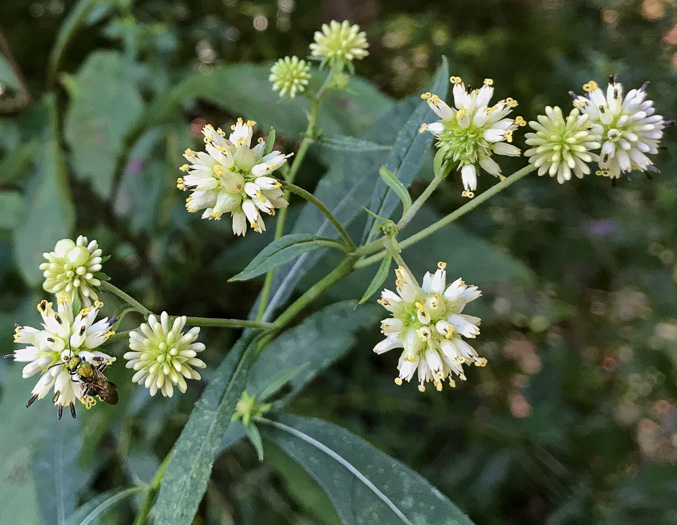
[406, 218]
[118, 336]
[394, 251]
[308, 139]
[147, 504]
[325, 211]
[108, 287]
[227, 323]
[469, 206]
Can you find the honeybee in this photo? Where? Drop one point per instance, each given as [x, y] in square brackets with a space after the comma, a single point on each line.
[91, 375]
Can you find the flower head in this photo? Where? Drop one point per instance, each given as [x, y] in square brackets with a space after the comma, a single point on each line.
[630, 129]
[49, 350]
[163, 356]
[290, 75]
[559, 147]
[71, 268]
[428, 324]
[339, 44]
[471, 131]
[231, 177]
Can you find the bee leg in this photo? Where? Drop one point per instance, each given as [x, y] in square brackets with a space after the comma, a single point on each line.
[59, 411]
[73, 414]
[31, 400]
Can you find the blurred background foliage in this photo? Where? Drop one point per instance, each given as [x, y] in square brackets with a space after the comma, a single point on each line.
[575, 418]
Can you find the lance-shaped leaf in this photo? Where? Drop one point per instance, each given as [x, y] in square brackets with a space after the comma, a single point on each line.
[379, 278]
[283, 250]
[407, 154]
[350, 144]
[185, 480]
[394, 184]
[365, 485]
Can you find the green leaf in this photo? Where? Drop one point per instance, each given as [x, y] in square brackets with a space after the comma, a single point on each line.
[379, 278]
[255, 439]
[7, 76]
[395, 185]
[96, 508]
[280, 251]
[270, 141]
[294, 353]
[11, 208]
[104, 106]
[194, 453]
[408, 152]
[365, 485]
[19, 438]
[49, 213]
[15, 164]
[350, 144]
[231, 88]
[76, 18]
[344, 189]
[56, 472]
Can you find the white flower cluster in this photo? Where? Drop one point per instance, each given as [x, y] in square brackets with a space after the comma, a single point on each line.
[71, 268]
[49, 350]
[618, 132]
[163, 356]
[232, 177]
[471, 131]
[428, 323]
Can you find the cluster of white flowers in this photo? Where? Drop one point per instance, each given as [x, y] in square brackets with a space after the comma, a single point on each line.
[428, 323]
[469, 133]
[232, 177]
[71, 269]
[49, 350]
[615, 131]
[163, 356]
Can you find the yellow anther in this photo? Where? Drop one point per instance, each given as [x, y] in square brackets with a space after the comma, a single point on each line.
[278, 185]
[580, 104]
[260, 140]
[189, 152]
[184, 168]
[424, 127]
[66, 299]
[470, 195]
[455, 80]
[44, 306]
[260, 196]
[239, 120]
[421, 388]
[98, 304]
[441, 265]
[488, 81]
[511, 102]
[221, 132]
[422, 334]
[419, 306]
[450, 331]
[590, 86]
[520, 121]
[109, 333]
[208, 138]
[179, 184]
[508, 135]
[426, 95]
[438, 386]
[272, 166]
[218, 169]
[251, 123]
[452, 383]
[189, 198]
[461, 113]
[501, 178]
[254, 225]
[398, 381]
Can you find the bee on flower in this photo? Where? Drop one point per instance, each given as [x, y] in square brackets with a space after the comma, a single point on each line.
[630, 128]
[471, 132]
[428, 323]
[51, 350]
[232, 177]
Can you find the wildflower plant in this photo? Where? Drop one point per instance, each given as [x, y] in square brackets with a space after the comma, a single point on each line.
[432, 324]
